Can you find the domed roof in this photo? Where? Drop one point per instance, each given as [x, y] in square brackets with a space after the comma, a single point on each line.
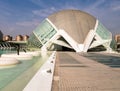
[75, 22]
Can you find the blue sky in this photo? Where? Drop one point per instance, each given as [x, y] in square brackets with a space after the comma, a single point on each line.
[23, 16]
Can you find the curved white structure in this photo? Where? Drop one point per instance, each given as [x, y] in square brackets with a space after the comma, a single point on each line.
[8, 61]
[31, 53]
[72, 29]
[18, 57]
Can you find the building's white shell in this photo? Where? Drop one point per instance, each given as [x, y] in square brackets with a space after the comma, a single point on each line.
[79, 31]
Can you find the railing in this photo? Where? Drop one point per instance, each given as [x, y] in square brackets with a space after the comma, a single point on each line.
[6, 45]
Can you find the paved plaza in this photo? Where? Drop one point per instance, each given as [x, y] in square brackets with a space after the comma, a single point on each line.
[74, 72]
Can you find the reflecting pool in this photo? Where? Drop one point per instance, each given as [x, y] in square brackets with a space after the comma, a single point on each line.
[17, 76]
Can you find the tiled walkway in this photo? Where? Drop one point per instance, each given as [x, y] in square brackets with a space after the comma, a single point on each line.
[74, 72]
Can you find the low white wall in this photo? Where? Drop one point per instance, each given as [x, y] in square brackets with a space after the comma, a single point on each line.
[42, 81]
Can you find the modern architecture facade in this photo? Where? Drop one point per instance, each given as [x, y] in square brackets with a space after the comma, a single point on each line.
[72, 29]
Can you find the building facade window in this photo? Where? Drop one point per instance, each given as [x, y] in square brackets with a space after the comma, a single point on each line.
[103, 32]
[43, 33]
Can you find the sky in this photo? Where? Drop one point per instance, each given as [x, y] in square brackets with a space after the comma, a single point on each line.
[23, 16]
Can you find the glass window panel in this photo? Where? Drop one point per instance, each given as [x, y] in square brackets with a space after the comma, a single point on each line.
[42, 34]
[45, 31]
[34, 42]
[103, 32]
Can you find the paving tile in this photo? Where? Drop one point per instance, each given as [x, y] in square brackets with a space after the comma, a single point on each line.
[79, 73]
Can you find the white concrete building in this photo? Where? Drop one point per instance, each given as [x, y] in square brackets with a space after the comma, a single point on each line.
[71, 30]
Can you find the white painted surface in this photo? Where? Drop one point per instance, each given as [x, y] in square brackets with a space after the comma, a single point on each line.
[88, 40]
[35, 53]
[42, 81]
[18, 57]
[8, 61]
[70, 40]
